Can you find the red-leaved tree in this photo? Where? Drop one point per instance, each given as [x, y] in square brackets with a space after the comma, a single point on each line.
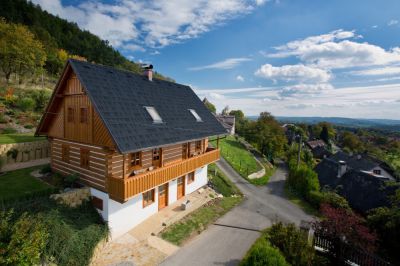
[341, 225]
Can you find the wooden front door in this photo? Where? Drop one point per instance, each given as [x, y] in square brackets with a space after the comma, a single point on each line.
[162, 196]
[181, 187]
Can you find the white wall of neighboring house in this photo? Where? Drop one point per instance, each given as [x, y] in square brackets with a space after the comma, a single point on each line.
[383, 172]
[122, 217]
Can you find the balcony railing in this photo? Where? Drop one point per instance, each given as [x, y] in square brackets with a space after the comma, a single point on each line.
[121, 189]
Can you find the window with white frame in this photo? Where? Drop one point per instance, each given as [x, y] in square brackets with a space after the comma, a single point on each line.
[196, 115]
[154, 114]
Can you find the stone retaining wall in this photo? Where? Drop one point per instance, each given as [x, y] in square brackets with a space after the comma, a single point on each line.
[73, 198]
[27, 151]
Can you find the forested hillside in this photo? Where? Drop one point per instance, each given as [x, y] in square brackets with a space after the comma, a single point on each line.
[59, 36]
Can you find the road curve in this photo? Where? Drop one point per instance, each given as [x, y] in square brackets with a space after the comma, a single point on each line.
[228, 239]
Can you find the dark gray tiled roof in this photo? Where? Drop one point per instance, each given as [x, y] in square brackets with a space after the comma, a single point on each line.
[357, 162]
[120, 96]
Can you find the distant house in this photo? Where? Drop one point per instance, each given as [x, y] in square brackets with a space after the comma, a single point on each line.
[318, 148]
[228, 122]
[312, 144]
[359, 178]
[139, 143]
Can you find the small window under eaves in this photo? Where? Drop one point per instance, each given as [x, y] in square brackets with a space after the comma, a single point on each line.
[194, 113]
[154, 114]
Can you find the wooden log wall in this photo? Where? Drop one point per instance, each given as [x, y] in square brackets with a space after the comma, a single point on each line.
[95, 175]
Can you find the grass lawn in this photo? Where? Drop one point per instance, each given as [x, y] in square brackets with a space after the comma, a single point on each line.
[237, 156]
[19, 184]
[304, 205]
[197, 221]
[17, 138]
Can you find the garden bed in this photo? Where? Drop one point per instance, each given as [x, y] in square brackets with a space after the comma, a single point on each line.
[198, 220]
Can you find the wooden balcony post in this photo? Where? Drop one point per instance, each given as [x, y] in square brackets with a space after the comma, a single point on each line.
[218, 142]
[123, 167]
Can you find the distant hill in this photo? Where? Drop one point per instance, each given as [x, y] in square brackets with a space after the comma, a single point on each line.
[387, 124]
[56, 33]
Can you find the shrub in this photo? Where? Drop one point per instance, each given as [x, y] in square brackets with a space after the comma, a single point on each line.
[71, 179]
[9, 130]
[13, 153]
[45, 169]
[2, 162]
[26, 104]
[263, 254]
[23, 242]
[303, 179]
[41, 98]
[28, 126]
[316, 198]
[292, 242]
[3, 120]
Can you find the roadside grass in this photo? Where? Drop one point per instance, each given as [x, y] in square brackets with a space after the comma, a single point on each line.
[264, 179]
[237, 156]
[17, 138]
[299, 201]
[20, 184]
[198, 220]
[220, 182]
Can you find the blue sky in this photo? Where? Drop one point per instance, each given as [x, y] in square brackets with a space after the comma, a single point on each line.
[291, 58]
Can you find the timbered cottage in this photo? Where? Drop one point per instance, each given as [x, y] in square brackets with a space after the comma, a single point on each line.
[139, 143]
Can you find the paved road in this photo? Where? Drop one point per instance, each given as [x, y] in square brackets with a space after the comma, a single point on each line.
[228, 240]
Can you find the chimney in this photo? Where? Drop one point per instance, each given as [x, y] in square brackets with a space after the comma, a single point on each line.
[148, 71]
[342, 168]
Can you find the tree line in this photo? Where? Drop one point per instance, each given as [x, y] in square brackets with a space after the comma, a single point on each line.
[61, 39]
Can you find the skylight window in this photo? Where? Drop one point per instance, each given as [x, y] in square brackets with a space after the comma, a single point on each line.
[194, 113]
[154, 114]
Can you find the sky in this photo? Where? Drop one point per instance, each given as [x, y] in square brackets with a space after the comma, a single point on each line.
[286, 57]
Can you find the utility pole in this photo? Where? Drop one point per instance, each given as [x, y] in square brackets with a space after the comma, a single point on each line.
[298, 155]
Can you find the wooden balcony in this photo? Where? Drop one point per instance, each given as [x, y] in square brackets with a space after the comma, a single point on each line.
[121, 189]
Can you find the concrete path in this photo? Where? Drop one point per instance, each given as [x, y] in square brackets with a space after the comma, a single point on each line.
[227, 241]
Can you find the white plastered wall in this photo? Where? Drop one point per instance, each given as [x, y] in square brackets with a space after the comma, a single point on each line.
[122, 217]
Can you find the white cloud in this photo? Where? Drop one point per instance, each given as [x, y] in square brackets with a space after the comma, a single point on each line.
[260, 2]
[393, 22]
[334, 50]
[381, 101]
[393, 70]
[133, 47]
[293, 72]
[239, 78]
[307, 90]
[154, 23]
[228, 63]
[374, 26]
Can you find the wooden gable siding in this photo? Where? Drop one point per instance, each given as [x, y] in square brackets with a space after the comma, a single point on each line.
[96, 173]
[76, 130]
[71, 94]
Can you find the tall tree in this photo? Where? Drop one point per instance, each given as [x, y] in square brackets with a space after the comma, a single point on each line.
[20, 51]
[324, 134]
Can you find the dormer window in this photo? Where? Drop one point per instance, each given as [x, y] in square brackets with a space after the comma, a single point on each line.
[194, 113]
[154, 114]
